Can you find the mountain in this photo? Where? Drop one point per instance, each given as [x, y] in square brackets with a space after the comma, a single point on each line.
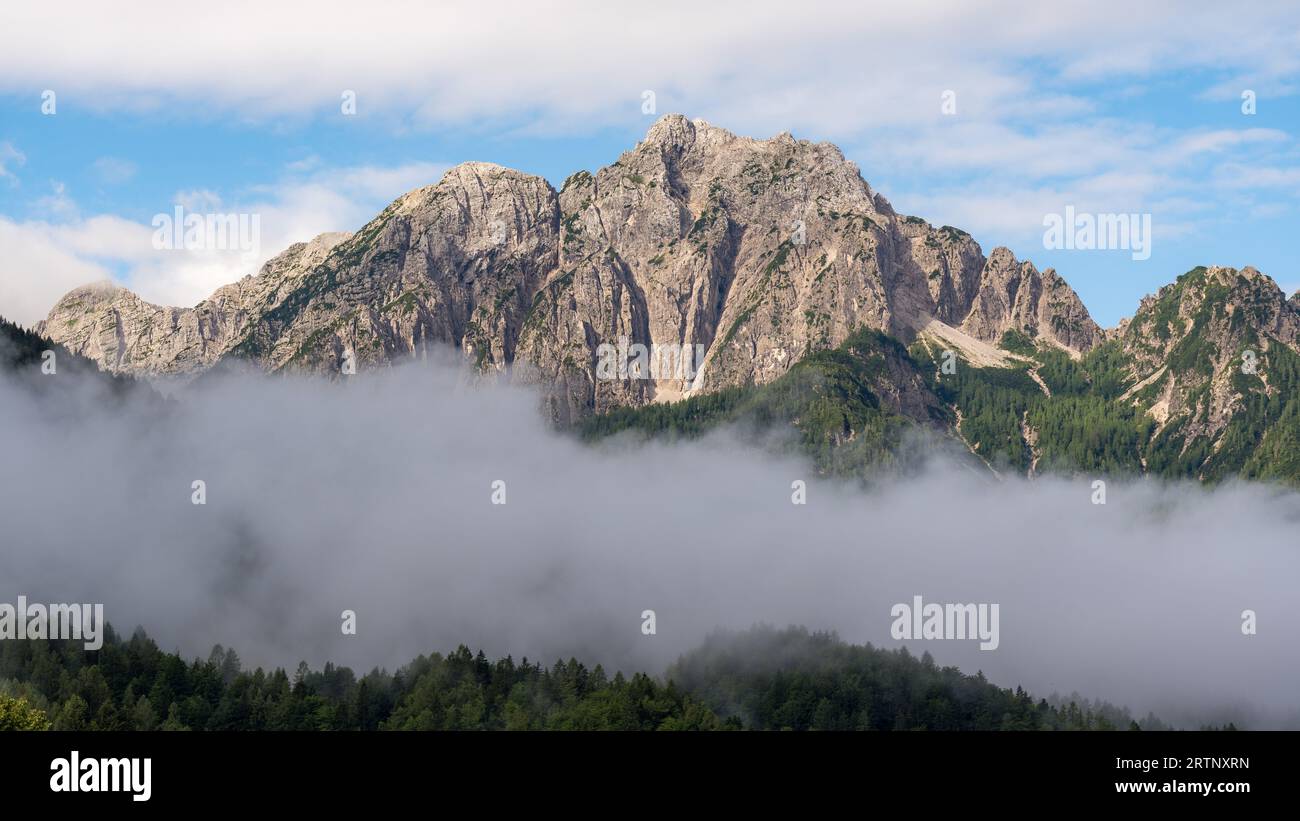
[759, 250]
[779, 266]
[1172, 393]
[1215, 364]
[125, 334]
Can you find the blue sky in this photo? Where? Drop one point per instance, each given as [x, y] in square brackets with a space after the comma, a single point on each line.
[1098, 106]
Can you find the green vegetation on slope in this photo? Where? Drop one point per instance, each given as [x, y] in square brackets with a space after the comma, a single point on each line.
[1078, 428]
[758, 679]
[1083, 426]
[769, 679]
[827, 402]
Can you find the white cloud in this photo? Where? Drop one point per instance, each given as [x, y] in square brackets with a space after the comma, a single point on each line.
[1219, 140]
[38, 267]
[198, 200]
[10, 156]
[113, 170]
[295, 209]
[46, 258]
[1008, 178]
[1238, 175]
[307, 163]
[57, 204]
[821, 66]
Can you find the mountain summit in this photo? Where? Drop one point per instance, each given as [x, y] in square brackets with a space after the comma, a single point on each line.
[760, 251]
[775, 264]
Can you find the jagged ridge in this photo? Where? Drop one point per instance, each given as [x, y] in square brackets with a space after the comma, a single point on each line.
[759, 252]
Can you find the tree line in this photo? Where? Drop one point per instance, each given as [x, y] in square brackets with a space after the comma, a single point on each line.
[759, 679]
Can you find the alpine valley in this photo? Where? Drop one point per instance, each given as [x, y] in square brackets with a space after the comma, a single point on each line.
[820, 312]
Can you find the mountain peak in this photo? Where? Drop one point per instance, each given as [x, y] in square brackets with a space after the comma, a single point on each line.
[104, 290]
[478, 169]
[674, 130]
[1016, 296]
[754, 252]
[1004, 256]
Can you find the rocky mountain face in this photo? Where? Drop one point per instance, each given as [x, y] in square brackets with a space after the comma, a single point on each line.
[733, 260]
[759, 252]
[753, 253]
[1215, 360]
[1014, 296]
[125, 334]
[1202, 382]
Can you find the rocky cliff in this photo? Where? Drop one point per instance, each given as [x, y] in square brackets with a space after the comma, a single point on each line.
[737, 258]
[753, 252]
[1213, 359]
[125, 334]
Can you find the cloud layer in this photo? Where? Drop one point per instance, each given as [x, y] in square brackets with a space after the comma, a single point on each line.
[376, 496]
[810, 66]
[46, 258]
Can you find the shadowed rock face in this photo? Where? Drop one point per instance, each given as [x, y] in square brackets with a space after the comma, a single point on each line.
[757, 251]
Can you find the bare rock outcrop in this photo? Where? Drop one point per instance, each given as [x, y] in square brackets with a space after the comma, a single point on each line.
[742, 254]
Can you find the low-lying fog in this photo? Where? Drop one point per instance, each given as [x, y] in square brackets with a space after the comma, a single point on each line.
[376, 495]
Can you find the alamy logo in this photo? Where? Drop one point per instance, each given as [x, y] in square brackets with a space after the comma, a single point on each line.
[945, 621]
[83, 622]
[1098, 232]
[637, 361]
[74, 774]
[207, 232]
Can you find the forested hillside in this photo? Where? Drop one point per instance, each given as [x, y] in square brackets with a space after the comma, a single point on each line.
[1227, 409]
[759, 679]
[849, 409]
